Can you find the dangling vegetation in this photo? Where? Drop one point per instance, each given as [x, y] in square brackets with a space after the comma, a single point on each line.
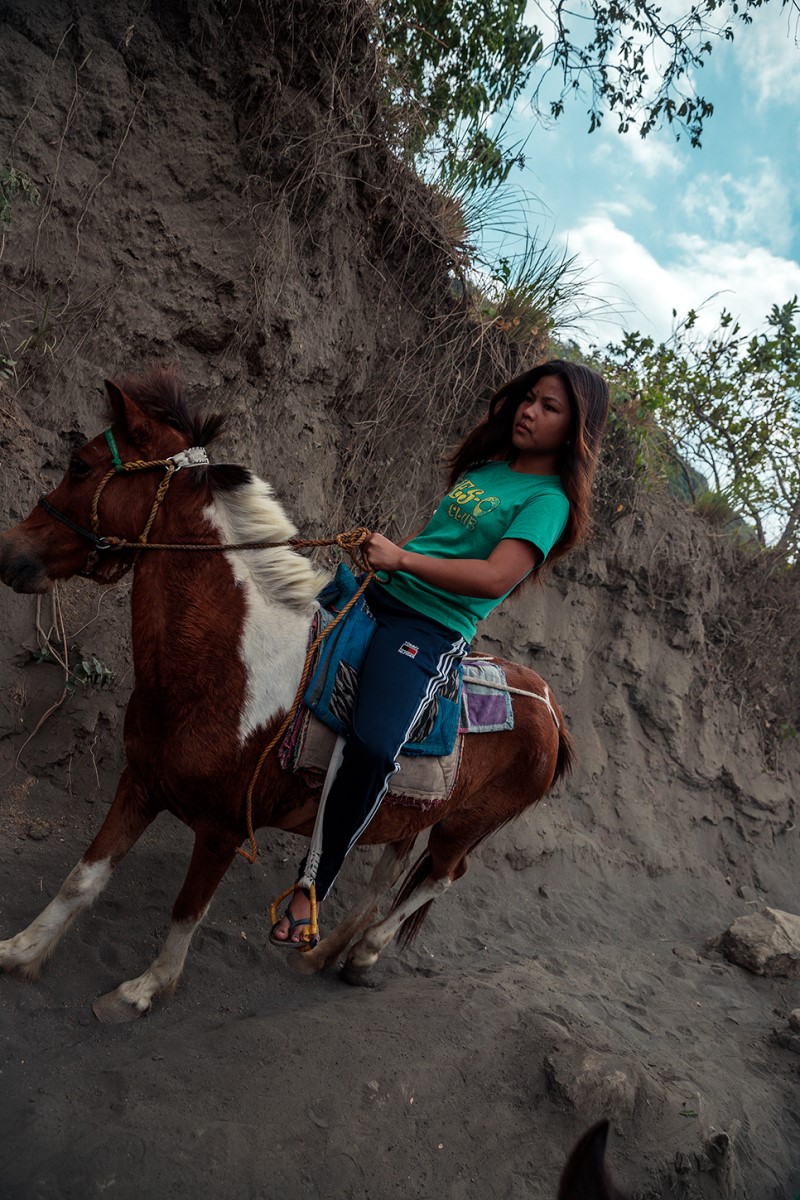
[533, 294]
[15, 185]
[728, 408]
[459, 65]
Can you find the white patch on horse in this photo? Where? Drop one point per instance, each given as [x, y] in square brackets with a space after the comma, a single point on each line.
[28, 950]
[280, 586]
[163, 974]
[365, 953]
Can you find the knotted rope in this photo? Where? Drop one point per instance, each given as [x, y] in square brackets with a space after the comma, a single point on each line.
[135, 465]
[370, 575]
[351, 542]
[309, 935]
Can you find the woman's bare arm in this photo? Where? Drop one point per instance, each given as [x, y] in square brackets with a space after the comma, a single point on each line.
[487, 579]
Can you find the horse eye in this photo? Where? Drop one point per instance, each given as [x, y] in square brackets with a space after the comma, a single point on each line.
[78, 469]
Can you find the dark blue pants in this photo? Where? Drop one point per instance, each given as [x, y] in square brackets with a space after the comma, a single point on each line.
[408, 660]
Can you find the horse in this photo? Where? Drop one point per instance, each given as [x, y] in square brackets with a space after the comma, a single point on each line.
[219, 642]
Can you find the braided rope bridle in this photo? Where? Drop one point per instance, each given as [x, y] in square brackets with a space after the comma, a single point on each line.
[351, 541]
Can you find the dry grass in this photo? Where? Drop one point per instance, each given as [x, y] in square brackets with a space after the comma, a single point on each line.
[325, 143]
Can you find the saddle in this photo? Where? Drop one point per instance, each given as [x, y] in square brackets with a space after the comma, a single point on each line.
[333, 685]
[472, 700]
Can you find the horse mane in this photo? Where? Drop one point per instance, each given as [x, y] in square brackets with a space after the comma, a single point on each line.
[245, 510]
[160, 394]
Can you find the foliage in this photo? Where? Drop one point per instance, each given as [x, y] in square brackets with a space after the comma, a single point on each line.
[89, 671]
[43, 335]
[7, 363]
[461, 62]
[531, 293]
[729, 406]
[15, 183]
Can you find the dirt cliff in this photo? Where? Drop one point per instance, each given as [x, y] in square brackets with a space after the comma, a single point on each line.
[218, 189]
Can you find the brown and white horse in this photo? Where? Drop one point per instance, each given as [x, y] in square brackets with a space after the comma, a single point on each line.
[219, 641]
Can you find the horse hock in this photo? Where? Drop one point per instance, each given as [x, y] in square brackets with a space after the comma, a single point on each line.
[364, 955]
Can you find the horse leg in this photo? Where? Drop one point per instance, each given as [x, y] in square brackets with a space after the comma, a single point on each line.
[130, 813]
[444, 861]
[387, 871]
[211, 857]
[365, 954]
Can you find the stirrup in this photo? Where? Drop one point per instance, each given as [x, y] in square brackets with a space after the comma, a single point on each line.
[310, 936]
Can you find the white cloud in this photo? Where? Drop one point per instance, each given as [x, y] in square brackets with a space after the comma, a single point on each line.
[755, 208]
[601, 152]
[615, 208]
[542, 17]
[768, 54]
[692, 272]
[522, 108]
[636, 158]
[651, 155]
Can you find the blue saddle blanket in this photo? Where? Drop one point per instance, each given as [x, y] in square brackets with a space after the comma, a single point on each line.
[481, 706]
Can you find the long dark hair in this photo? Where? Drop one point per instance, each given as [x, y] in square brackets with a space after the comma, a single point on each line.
[491, 440]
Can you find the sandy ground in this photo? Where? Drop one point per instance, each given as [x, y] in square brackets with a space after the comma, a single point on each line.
[535, 1000]
[565, 977]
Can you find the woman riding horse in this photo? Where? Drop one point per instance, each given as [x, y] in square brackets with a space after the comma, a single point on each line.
[518, 497]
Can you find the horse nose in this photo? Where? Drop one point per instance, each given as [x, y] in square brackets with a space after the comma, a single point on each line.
[20, 569]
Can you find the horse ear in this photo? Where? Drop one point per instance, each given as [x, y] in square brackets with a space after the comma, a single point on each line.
[585, 1176]
[138, 428]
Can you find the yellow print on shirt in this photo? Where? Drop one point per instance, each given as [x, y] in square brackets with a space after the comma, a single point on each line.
[471, 503]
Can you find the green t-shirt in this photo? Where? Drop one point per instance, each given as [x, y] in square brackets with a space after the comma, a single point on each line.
[489, 503]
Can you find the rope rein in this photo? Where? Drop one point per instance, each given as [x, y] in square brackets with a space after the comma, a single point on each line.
[351, 542]
[285, 723]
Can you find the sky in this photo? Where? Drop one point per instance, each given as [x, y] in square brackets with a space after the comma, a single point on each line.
[658, 225]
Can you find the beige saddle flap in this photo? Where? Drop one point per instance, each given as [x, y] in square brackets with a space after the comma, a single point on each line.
[421, 782]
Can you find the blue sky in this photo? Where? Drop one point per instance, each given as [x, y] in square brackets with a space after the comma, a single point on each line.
[658, 225]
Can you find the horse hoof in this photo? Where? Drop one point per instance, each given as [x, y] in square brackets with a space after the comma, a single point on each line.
[113, 1009]
[12, 964]
[307, 962]
[358, 976]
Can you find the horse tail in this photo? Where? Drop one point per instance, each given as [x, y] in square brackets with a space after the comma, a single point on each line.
[566, 754]
[412, 925]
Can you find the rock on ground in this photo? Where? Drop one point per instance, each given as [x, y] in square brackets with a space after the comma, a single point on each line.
[766, 942]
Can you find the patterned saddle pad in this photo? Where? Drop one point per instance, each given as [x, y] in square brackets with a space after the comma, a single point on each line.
[423, 781]
[333, 685]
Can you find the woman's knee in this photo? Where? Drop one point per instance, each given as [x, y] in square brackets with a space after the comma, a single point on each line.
[370, 752]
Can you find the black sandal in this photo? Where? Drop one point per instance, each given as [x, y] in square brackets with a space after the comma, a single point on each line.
[294, 923]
